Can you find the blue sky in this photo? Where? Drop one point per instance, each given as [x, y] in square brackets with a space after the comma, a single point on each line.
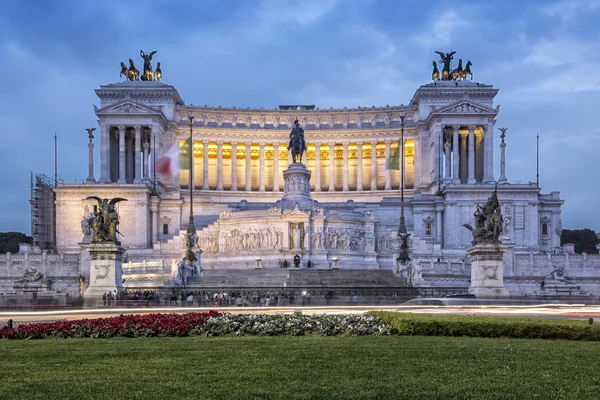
[544, 56]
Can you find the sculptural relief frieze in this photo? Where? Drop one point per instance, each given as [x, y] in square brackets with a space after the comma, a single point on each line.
[251, 239]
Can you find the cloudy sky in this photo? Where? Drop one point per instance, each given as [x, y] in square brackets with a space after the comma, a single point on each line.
[544, 56]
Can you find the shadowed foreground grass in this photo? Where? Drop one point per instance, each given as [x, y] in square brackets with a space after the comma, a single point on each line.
[396, 367]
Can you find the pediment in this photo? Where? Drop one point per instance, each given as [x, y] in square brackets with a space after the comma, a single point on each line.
[126, 107]
[466, 107]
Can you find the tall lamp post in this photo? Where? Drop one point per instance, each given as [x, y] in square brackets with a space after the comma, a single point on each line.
[403, 257]
[191, 227]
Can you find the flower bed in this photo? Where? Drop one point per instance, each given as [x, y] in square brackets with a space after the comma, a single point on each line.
[202, 324]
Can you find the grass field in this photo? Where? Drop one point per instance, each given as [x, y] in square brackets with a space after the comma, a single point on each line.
[396, 367]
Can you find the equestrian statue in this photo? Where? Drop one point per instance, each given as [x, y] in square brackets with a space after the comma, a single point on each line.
[297, 144]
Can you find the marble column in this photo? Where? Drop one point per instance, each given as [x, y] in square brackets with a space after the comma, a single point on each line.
[488, 153]
[388, 172]
[463, 159]
[417, 162]
[502, 178]
[455, 156]
[276, 167]
[234, 167]
[438, 223]
[471, 155]
[129, 158]
[331, 167]
[248, 168]
[220, 165]
[122, 154]
[104, 153]
[345, 187]
[447, 154]
[90, 177]
[261, 170]
[146, 155]
[373, 165]
[317, 167]
[359, 174]
[138, 149]
[204, 165]
[153, 151]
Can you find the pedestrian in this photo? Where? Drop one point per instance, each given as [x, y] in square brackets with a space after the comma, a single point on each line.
[104, 300]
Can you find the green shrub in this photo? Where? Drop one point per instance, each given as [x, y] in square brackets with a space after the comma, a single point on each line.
[484, 326]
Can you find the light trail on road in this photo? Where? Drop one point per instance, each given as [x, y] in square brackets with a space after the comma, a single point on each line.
[565, 311]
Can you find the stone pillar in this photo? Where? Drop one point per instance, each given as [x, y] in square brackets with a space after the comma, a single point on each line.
[104, 153]
[138, 149]
[471, 155]
[502, 178]
[455, 155]
[317, 167]
[154, 220]
[220, 165]
[153, 150]
[146, 155]
[373, 165]
[438, 223]
[90, 177]
[487, 270]
[204, 165]
[447, 154]
[331, 167]
[122, 154]
[359, 174]
[234, 167]
[488, 153]
[417, 162]
[261, 170]
[276, 167]
[248, 168]
[129, 176]
[345, 187]
[388, 172]
[106, 274]
[463, 159]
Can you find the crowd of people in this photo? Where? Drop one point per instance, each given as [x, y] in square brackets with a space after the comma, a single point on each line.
[151, 298]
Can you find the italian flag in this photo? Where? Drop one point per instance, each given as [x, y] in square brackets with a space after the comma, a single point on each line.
[174, 160]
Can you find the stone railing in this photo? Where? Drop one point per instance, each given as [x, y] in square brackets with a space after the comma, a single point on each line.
[149, 267]
[15, 264]
[575, 265]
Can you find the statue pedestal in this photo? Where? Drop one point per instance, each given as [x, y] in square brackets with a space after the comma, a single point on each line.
[487, 270]
[296, 190]
[106, 274]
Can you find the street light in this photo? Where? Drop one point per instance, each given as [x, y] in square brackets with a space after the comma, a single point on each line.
[335, 263]
[403, 257]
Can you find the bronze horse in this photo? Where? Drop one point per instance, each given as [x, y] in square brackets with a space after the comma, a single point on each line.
[132, 73]
[297, 144]
[435, 75]
[466, 71]
[456, 71]
[124, 70]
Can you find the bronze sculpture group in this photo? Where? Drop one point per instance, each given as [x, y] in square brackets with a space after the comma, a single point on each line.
[488, 221]
[458, 73]
[105, 220]
[133, 74]
[297, 144]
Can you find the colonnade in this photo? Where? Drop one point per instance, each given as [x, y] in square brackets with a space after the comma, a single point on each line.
[467, 154]
[251, 166]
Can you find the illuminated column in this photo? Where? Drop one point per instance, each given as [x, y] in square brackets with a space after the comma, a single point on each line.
[138, 149]
[261, 170]
[317, 167]
[388, 175]
[455, 157]
[345, 170]
[463, 159]
[204, 164]
[122, 154]
[234, 166]
[248, 180]
[447, 153]
[359, 185]
[276, 167]
[471, 167]
[331, 167]
[373, 165]
[104, 153]
[146, 153]
[220, 165]
[417, 162]
[488, 152]
[129, 158]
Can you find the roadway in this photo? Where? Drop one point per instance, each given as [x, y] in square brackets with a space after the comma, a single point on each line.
[563, 311]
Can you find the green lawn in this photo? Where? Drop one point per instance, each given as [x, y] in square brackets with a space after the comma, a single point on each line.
[396, 367]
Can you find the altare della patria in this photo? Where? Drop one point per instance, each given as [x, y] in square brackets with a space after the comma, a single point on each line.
[378, 198]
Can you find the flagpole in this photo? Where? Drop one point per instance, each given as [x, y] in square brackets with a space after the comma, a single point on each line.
[402, 226]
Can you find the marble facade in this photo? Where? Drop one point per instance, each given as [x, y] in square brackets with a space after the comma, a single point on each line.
[240, 157]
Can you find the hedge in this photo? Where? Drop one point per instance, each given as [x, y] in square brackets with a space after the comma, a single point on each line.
[486, 326]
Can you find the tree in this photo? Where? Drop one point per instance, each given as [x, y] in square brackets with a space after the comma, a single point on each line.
[585, 240]
[9, 241]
